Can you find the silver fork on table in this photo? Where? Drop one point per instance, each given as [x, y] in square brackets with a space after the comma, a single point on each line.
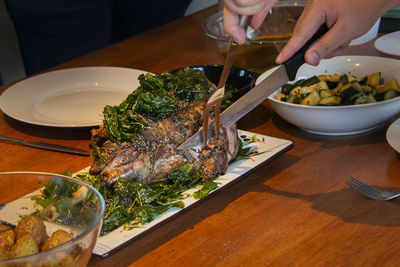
[369, 191]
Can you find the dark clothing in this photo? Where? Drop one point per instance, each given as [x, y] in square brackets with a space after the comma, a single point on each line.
[53, 31]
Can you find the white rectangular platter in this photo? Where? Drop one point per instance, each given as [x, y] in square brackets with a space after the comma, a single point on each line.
[270, 146]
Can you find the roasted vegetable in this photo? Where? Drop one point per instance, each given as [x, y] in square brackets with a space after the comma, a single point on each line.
[7, 236]
[24, 246]
[28, 238]
[4, 253]
[31, 225]
[331, 90]
[59, 237]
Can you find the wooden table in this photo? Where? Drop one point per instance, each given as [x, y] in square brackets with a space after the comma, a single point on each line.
[294, 211]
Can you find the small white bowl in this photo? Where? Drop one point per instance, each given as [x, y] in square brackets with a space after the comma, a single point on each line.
[339, 120]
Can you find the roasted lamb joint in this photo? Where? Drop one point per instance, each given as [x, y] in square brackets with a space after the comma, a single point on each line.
[151, 162]
[149, 156]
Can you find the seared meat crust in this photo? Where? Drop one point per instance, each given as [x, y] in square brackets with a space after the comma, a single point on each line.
[153, 154]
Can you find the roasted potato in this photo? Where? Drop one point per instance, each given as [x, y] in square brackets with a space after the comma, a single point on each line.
[7, 237]
[25, 245]
[31, 225]
[4, 254]
[57, 238]
[59, 260]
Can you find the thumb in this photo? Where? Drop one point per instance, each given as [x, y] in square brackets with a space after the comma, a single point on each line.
[334, 39]
[305, 28]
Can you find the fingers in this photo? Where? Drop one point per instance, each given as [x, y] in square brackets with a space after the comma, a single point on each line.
[233, 8]
[338, 51]
[232, 27]
[308, 23]
[329, 45]
[258, 18]
[337, 18]
[245, 7]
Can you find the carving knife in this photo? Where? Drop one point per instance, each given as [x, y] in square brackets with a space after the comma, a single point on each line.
[42, 145]
[283, 74]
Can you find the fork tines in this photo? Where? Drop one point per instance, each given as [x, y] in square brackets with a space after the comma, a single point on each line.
[214, 100]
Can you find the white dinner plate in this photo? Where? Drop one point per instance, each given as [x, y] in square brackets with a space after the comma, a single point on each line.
[69, 98]
[389, 44]
[393, 135]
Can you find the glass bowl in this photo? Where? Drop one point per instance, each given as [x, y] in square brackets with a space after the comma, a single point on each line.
[264, 44]
[60, 202]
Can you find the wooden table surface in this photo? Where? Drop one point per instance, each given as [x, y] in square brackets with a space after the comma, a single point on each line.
[293, 211]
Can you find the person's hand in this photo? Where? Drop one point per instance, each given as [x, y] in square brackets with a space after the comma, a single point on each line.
[346, 20]
[258, 9]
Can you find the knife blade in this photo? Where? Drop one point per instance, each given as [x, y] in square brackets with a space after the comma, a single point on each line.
[284, 73]
[47, 146]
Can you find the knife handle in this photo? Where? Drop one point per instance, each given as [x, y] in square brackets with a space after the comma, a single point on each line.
[294, 63]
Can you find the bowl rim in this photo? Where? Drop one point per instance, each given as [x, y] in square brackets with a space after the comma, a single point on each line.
[54, 250]
[225, 38]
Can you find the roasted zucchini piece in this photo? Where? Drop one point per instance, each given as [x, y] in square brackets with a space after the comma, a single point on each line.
[305, 91]
[374, 79]
[320, 85]
[312, 99]
[331, 85]
[364, 99]
[392, 84]
[368, 89]
[364, 80]
[286, 88]
[386, 95]
[294, 96]
[326, 93]
[330, 78]
[339, 86]
[281, 97]
[330, 101]
[352, 78]
[351, 89]
[349, 92]
[380, 89]
[295, 99]
[344, 79]
[308, 82]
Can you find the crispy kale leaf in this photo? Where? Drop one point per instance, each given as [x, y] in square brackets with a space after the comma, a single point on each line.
[156, 97]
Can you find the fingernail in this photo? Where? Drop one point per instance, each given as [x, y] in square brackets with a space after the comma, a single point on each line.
[312, 58]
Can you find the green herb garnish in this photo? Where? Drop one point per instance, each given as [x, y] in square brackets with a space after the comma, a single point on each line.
[205, 190]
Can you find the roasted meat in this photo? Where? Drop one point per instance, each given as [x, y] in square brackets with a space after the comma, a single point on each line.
[150, 155]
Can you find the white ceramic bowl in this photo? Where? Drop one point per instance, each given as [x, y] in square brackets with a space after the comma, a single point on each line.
[340, 120]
